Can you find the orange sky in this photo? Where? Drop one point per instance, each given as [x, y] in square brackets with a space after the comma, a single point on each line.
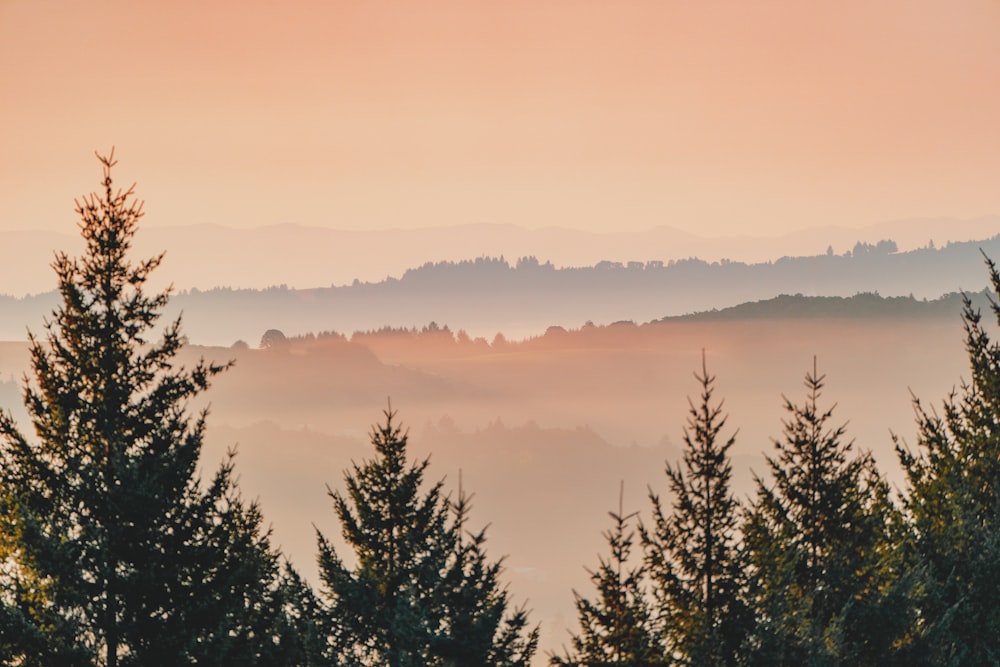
[719, 117]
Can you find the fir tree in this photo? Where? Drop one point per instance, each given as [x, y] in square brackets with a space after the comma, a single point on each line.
[820, 543]
[953, 505]
[118, 556]
[420, 593]
[302, 632]
[617, 627]
[692, 553]
[20, 593]
[479, 631]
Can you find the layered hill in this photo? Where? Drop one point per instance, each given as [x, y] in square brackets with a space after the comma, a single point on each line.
[204, 256]
[521, 298]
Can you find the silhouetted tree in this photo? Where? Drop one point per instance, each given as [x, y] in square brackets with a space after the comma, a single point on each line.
[617, 627]
[691, 553]
[21, 639]
[273, 338]
[953, 505]
[115, 554]
[300, 637]
[479, 631]
[421, 594]
[820, 541]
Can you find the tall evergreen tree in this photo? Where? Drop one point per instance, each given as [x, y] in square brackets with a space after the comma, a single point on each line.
[301, 635]
[953, 505]
[479, 631]
[820, 545]
[692, 553]
[421, 594]
[617, 627]
[117, 554]
[20, 592]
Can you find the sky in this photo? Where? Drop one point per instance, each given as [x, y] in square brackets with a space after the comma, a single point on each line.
[716, 117]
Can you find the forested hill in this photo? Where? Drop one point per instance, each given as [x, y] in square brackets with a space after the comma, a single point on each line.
[861, 305]
[522, 298]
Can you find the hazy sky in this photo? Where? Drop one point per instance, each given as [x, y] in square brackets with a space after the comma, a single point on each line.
[718, 117]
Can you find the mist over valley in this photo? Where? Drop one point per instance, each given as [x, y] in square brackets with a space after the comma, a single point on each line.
[543, 430]
[543, 388]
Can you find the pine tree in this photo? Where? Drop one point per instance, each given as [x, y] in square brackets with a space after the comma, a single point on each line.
[479, 631]
[118, 556]
[302, 632]
[820, 543]
[692, 553]
[617, 627]
[20, 638]
[953, 505]
[420, 595]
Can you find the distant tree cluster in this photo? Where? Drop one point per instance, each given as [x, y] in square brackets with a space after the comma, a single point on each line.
[114, 552]
[883, 247]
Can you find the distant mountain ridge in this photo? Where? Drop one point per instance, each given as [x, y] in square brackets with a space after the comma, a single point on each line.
[491, 295]
[207, 256]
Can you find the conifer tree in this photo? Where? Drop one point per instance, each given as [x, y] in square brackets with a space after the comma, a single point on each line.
[617, 627]
[820, 545]
[953, 505]
[19, 637]
[692, 553]
[479, 631]
[421, 594]
[298, 639]
[117, 555]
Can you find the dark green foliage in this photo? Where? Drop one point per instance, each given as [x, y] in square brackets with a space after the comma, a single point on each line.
[617, 627]
[116, 554]
[954, 506]
[825, 587]
[478, 630]
[423, 591]
[691, 553]
[300, 634]
[20, 595]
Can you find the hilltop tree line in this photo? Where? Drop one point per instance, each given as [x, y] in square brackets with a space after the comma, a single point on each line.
[487, 270]
[114, 551]
[488, 294]
[864, 305]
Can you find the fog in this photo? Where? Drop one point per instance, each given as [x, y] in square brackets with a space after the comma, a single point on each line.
[543, 431]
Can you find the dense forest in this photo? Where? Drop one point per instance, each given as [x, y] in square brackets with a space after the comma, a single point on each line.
[114, 550]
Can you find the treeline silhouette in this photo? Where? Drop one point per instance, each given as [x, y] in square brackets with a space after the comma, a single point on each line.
[868, 266]
[491, 294]
[435, 341]
[861, 305]
[114, 552]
